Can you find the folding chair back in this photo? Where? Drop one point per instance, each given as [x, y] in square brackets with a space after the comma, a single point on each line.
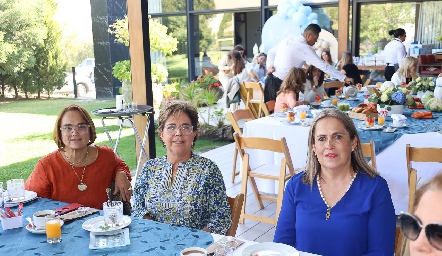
[368, 150]
[271, 172]
[235, 208]
[419, 155]
[367, 82]
[234, 118]
[255, 96]
[334, 84]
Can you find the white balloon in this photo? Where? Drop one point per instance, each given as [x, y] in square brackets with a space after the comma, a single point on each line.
[275, 30]
[325, 44]
[316, 45]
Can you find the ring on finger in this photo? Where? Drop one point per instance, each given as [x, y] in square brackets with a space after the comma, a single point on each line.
[130, 189]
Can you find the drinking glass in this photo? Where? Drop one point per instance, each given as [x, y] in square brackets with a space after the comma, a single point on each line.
[53, 229]
[134, 106]
[335, 101]
[302, 115]
[381, 120]
[16, 189]
[113, 213]
[369, 121]
[378, 84]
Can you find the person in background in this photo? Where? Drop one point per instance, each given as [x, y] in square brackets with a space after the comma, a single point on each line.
[339, 205]
[290, 89]
[295, 52]
[407, 72]
[259, 68]
[423, 227]
[182, 188]
[225, 65]
[349, 69]
[394, 52]
[326, 56]
[78, 171]
[314, 84]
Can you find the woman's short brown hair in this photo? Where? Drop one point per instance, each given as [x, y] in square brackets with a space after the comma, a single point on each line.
[57, 132]
[176, 107]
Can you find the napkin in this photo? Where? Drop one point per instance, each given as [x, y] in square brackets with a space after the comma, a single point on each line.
[233, 243]
[398, 117]
[79, 213]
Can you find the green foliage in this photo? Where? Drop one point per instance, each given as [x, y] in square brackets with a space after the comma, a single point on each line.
[170, 90]
[30, 46]
[224, 25]
[207, 81]
[378, 19]
[121, 70]
[159, 73]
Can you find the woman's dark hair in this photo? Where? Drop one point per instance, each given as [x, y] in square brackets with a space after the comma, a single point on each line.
[238, 61]
[397, 32]
[310, 75]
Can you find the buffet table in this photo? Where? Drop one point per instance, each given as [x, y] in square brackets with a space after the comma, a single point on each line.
[390, 149]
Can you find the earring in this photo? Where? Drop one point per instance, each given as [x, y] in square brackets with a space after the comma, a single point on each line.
[352, 149]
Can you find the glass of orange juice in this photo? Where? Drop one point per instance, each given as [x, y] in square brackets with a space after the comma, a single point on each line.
[302, 115]
[334, 101]
[53, 229]
[381, 119]
[378, 84]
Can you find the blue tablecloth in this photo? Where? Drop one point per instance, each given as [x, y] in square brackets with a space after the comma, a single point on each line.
[146, 237]
[384, 139]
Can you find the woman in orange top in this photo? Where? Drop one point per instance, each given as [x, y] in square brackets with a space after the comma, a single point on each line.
[292, 85]
[79, 172]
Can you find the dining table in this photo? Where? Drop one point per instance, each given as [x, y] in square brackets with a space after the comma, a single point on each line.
[390, 147]
[147, 237]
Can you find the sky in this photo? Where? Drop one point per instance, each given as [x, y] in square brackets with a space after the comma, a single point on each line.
[75, 18]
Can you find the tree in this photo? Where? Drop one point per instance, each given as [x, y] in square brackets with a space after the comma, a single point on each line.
[378, 19]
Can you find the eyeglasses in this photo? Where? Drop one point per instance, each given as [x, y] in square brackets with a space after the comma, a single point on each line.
[81, 129]
[411, 227]
[185, 129]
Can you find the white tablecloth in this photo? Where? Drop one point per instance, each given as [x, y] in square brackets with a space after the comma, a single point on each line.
[391, 162]
[238, 251]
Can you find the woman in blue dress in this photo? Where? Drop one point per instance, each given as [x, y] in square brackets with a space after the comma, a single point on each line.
[339, 205]
[182, 188]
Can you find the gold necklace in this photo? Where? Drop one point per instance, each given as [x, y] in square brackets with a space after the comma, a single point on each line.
[82, 186]
[327, 215]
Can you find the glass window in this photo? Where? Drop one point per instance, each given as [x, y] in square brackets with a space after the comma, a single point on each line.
[214, 38]
[160, 6]
[176, 64]
[317, 2]
[375, 26]
[217, 5]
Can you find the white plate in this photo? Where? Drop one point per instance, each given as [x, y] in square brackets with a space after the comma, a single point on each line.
[352, 99]
[270, 248]
[284, 121]
[107, 110]
[40, 231]
[95, 224]
[399, 126]
[29, 196]
[376, 127]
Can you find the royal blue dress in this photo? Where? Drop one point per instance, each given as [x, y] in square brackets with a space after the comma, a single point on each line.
[362, 223]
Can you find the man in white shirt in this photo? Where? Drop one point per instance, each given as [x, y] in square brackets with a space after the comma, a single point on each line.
[394, 52]
[295, 52]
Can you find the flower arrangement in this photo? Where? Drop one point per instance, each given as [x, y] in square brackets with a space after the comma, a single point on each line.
[423, 84]
[390, 94]
[207, 81]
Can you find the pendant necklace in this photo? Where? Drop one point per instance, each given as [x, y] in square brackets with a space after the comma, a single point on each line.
[81, 186]
[327, 215]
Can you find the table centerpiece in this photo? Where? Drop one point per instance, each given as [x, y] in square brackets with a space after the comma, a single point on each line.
[391, 97]
[423, 85]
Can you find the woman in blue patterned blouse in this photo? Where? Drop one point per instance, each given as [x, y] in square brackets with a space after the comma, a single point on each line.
[182, 188]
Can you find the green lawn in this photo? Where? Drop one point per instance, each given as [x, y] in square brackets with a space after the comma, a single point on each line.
[26, 135]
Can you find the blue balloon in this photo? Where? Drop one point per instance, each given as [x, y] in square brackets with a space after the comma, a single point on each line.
[290, 12]
[299, 18]
[312, 16]
[276, 29]
[305, 9]
[303, 27]
[297, 5]
[282, 10]
[314, 21]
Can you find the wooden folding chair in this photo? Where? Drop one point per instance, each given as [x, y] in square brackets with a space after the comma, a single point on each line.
[368, 150]
[334, 84]
[419, 155]
[271, 172]
[255, 96]
[234, 118]
[271, 105]
[235, 208]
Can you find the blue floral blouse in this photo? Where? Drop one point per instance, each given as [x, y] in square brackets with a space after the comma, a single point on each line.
[196, 198]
